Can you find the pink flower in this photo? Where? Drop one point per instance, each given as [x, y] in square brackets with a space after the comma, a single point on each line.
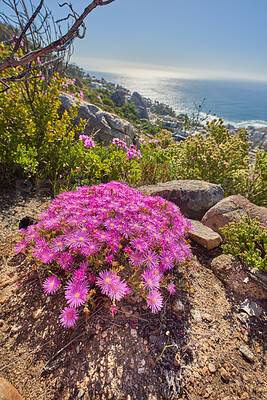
[118, 289]
[171, 288]
[113, 309]
[105, 280]
[68, 317]
[76, 293]
[20, 246]
[51, 284]
[154, 301]
[151, 281]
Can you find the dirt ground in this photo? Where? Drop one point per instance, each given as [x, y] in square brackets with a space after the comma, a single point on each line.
[191, 350]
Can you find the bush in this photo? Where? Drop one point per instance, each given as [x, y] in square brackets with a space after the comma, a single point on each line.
[110, 238]
[34, 140]
[222, 158]
[247, 239]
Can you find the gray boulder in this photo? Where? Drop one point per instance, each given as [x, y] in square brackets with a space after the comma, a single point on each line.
[119, 97]
[103, 125]
[140, 104]
[230, 208]
[193, 198]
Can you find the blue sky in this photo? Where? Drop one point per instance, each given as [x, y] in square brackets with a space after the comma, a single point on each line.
[191, 38]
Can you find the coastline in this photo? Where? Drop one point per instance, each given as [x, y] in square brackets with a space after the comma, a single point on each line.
[184, 95]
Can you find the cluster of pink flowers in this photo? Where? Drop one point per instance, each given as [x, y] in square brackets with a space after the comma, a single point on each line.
[87, 141]
[66, 82]
[132, 152]
[110, 236]
[119, 142]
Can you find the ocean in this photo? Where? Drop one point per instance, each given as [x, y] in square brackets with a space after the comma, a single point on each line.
[239, 103]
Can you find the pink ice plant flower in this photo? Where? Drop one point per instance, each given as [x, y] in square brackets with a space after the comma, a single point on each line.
[171, 288]
[68, 317]
[76, 293]
[155, 301]
[142, 233]
[51, 284]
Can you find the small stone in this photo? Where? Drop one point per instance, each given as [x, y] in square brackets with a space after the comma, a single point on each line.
[208, 392]
[212, 367]
[141, 370]
[207, 317]
[134, 333]
[244, 396]
[205, 371]
[252, 309]
[246, 280]
[247, 353]
[196, 315]
[80, 394]
[178, 306]
[36, 314]
[224, 374]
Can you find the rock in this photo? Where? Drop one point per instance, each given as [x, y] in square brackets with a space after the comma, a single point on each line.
[177, 306]
[231, 272]
[225, 375]
[7, 391]
[80, 393]
[134, 333]
[194, 198]
[207, 317]
[251, 308]
[27, 221]
[244, 396]
[212, 367]
[103, 125]
[196, 315]
[204, 235]
[247, 353]
[138, 100]
[226, 210]
[119, 97]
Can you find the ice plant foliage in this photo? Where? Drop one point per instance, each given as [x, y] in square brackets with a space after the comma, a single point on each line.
[109, 238]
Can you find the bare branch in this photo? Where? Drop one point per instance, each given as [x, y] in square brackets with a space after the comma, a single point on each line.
[57, 45]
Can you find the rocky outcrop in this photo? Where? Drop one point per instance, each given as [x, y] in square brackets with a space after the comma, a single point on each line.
[119, 97]
[140, 105]
[230, 208]
[193, 198]
[204, 235]
[7, 391]
[232, 273]
[102, 125]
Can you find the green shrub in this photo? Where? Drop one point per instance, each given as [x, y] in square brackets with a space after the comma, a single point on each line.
[247, 239]
[34, 140]
[222, 158]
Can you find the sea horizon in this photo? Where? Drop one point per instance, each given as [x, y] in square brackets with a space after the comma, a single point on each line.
[240, 103]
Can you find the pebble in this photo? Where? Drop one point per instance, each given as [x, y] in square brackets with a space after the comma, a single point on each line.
[246, 352]
[134, 333]
[251, 308]
[244, 396]
[224, 374]
[178, 306]
[80, 393]
[212, 367]
[196, 316]
[207, 317]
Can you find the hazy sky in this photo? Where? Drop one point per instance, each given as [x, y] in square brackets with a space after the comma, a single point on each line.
[194, 38]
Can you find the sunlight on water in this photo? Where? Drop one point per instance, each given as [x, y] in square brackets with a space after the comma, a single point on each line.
[237, 102]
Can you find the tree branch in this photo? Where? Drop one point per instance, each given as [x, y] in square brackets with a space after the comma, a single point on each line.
[58, 45]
